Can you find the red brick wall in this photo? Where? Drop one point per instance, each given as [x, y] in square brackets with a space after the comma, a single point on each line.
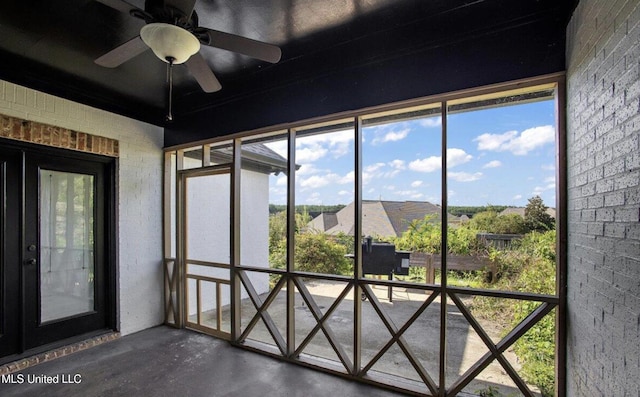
[44, 134]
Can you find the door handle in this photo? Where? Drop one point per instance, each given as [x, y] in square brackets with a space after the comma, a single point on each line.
[31, 261]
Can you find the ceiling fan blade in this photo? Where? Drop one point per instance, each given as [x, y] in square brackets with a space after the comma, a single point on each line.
[119, 5]
[253, 48]
[203, 74]
[123, 53]
[184, 6]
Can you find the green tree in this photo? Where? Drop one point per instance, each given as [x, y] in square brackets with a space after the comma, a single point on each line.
[536, 216]
[277, 229]
[278, 226]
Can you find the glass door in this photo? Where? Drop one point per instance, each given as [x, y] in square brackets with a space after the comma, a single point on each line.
[64, 248]
[67, 244]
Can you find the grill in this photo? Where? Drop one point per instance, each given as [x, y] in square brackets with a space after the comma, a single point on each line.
[382, 259]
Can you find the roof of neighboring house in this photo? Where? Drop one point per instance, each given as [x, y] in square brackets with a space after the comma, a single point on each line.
[323, 221]
[520, 211]
[255, 156]
[379, 218]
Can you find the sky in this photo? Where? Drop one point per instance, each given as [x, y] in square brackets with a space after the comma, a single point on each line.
[495, 156]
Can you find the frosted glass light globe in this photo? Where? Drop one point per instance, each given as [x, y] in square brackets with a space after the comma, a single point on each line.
[170, 41]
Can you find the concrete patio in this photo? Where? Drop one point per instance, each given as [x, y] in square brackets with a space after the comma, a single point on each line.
[163, 361]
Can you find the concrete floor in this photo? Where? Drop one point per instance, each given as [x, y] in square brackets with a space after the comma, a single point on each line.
[163, 361]
[168, 362]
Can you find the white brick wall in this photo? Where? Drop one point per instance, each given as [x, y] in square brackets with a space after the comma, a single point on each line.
[603, 121]
[140, 194]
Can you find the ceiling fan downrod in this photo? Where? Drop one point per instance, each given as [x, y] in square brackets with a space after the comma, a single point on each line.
[170, 61]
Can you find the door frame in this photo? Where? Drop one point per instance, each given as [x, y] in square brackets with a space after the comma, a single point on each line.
[181, 244]
[11, 247]
[110, 164]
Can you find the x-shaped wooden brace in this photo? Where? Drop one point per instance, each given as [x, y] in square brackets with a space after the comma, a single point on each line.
[396, 336]
[261, 308]
[170, 284]
[496, 350]
[321, 322]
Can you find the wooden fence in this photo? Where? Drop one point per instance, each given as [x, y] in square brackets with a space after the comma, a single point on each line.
[431, 262]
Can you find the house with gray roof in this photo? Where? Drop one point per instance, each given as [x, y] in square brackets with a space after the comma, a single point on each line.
[379, 218]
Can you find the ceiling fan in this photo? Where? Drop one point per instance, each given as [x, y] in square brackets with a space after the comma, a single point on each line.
[172, 32]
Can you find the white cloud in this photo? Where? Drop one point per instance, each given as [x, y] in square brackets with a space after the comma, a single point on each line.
[416, 183]
[381, 170]
[455, 157]
[331, 138]
[373, 167]
[411, 194]
[494, 142]
[314, 198]
[537, 191]
[431, 122]
[391, 174]
[279, 147]
[465, 176]
[318, 181]
[348, 178]
[314, 147]
[550, 185]
[397, 164]
[517, 197]
[344, 193]
[371, 171]
[519, 144]
[277, 191]
[493, 164]
[310, 154]
[428, 164]
[281, 181]
[307, 169]
[391, 136]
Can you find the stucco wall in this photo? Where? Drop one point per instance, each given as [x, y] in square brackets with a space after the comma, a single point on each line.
[603, 120]
[139, 194]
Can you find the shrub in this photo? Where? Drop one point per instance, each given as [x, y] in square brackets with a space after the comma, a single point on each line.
[314, 252]
[530, 267]
[318, 254]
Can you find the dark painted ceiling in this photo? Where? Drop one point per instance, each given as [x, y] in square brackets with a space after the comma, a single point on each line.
[51, 46]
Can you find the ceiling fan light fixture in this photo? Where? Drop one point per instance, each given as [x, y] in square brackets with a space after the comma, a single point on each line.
[170, 42]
